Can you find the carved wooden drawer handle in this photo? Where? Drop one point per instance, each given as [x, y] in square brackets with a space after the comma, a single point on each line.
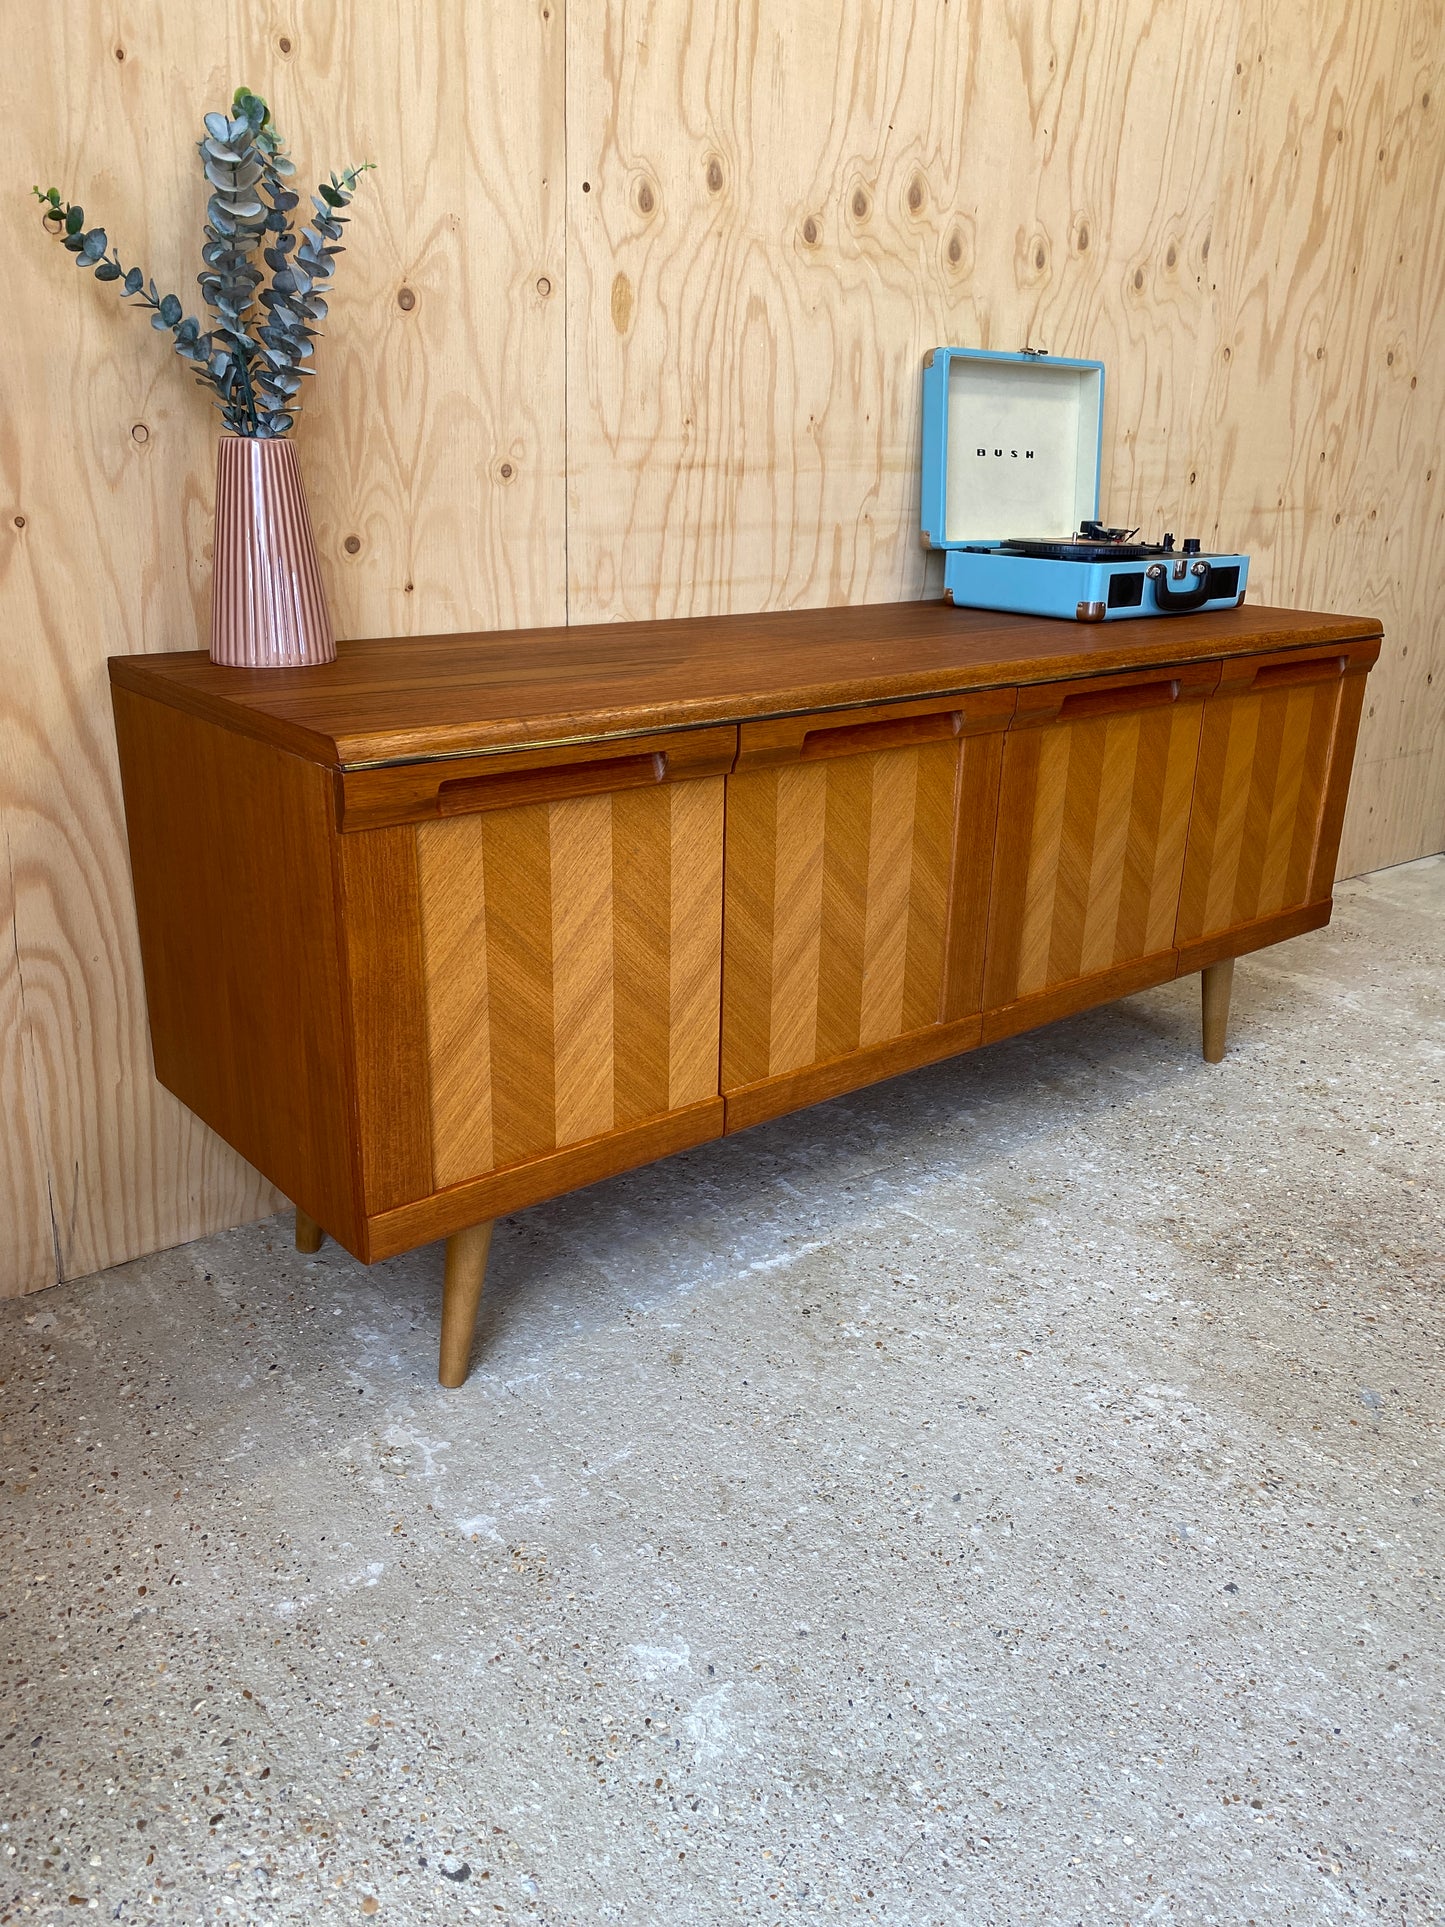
[382, 795]
[854, 739]
[1045, 704]
[1255, 675]
[811, 737]
[510, 788]
[1110, 702]
[1277, 675]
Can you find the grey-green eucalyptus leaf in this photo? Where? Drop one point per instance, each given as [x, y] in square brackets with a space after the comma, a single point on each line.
[254, 376]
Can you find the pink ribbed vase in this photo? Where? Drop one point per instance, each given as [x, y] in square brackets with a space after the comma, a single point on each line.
[268, 608]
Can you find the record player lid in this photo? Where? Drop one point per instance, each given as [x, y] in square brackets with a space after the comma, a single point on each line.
[1010, 443]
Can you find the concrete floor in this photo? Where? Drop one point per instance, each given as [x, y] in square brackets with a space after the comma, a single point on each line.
[1009, 1495]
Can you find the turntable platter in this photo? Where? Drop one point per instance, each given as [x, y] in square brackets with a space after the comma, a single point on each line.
[1082, 551]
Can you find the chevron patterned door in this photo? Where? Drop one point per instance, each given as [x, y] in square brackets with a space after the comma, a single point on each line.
[571, 954]
[1274, 767]
[1093, 817]
[856, 893]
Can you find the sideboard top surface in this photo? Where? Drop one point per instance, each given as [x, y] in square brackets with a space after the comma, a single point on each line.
[406, 698]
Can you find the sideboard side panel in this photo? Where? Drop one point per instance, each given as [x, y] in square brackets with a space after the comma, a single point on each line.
[231, 857]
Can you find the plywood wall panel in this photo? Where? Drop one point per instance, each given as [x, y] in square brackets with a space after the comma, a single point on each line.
[776, 208]
[438, 422]
[434, 439]
[1321, 411]
[27, 1252]
[103, 456]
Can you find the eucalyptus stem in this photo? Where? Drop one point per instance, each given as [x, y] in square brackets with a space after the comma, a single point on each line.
[253, 354]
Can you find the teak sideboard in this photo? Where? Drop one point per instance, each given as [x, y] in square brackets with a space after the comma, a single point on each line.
[458, 923]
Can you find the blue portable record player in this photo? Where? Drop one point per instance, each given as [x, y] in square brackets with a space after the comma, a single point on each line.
[1013, 442]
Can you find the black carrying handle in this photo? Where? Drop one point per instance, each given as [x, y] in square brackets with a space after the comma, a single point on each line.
[1175, 602]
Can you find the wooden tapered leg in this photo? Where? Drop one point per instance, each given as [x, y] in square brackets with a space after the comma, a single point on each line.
[461, 1295]
[1215, 984]
[308, 1233]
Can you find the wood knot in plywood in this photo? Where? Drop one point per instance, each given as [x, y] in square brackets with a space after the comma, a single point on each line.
[958, 247]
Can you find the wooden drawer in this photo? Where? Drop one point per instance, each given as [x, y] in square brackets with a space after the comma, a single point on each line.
[1275, 753]
[1093, 818]
[571, 954]
[856, 890]
[437, 788]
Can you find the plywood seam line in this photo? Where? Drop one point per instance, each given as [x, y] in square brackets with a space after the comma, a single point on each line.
[1232, 75]
[566, 305]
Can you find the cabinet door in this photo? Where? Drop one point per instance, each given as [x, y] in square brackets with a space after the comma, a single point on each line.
[1093, 816]
[571, 932]
[856, 891]
[1274, 771]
